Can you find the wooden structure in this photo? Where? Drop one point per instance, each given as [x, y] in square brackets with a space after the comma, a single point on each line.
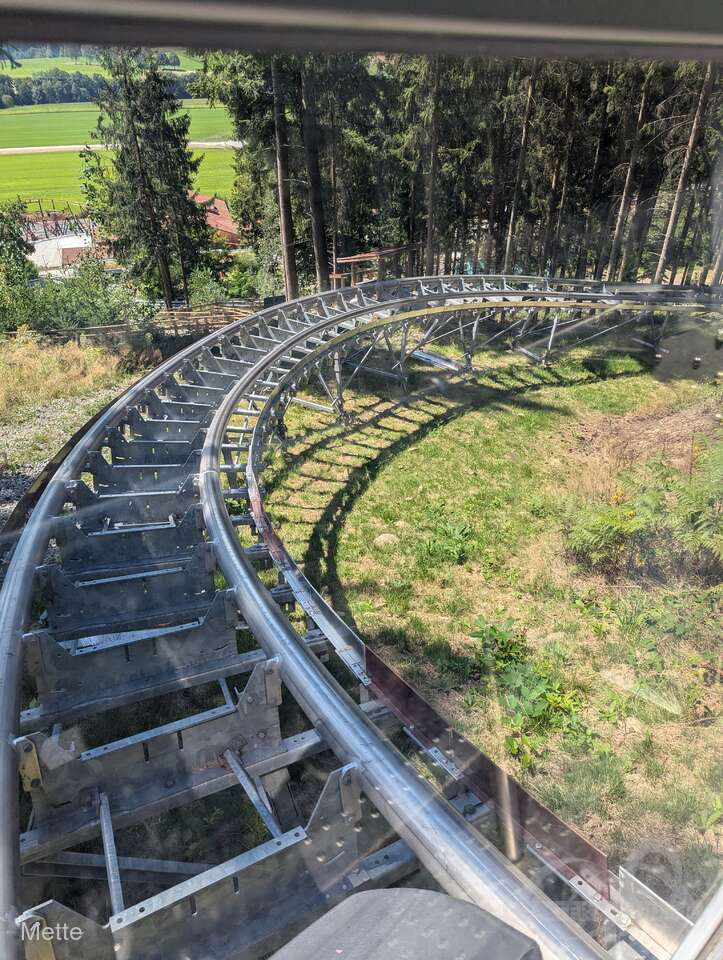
[195, 322]
[375, 264]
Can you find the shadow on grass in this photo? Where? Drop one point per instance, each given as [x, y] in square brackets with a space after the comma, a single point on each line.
[457, 398]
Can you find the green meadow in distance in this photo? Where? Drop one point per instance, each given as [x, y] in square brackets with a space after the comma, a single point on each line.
[54, 178]
[31, 66]
[64, 123]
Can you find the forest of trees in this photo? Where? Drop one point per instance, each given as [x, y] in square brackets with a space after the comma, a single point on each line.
[563, 168]
[574, 168]
[61, 86]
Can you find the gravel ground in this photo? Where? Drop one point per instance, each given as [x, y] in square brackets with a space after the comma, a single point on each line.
[37, 434]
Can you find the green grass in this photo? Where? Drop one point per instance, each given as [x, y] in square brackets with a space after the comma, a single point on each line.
[55, 177]
[604, 701]
[71, 123]
[188, 61]
[30, 67]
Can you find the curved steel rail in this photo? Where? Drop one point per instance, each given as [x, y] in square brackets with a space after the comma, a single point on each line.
[264, 358]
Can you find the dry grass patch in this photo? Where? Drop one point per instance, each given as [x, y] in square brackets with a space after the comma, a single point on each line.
[32, 373]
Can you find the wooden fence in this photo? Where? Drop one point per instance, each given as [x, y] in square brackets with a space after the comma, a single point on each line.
[179, 322]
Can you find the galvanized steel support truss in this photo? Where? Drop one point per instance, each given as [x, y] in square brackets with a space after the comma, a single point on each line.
[141, 517]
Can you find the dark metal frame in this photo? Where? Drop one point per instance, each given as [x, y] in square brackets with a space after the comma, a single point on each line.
[573, 28]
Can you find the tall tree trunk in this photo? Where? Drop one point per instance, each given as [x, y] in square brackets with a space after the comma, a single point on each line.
[561, 210]
[585, 243]
[699, 227]
[432, 169]
[291, 280]
[707, 249]
[705, 90]
[629, 176]
[490, 245]
[448, 255]
[500, 218]
[651, 179]
[184, 271]
[680, 242]
[411, 219]
[332, 181]
[462, 239]
[547, 231]
[603, 243]
[310, 135]
[507, 262]
[629, 243]
[477, 243]
[718, 265]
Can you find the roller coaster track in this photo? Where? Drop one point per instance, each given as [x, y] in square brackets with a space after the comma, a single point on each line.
[129, 581]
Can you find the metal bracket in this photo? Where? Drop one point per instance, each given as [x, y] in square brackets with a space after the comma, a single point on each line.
[152, 770]
[658, 919]
[29, 765]
[332, 844]
[87, 675]
[168, 589]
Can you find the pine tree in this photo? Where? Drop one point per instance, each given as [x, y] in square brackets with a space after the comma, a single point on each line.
[254, 89]
[142, 191]
[524, 137]
[283, 181]
[311, 140]
[7, 59]
[695, 131]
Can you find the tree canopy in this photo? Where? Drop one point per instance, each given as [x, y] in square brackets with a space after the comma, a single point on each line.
[141, 192]
[559, 167]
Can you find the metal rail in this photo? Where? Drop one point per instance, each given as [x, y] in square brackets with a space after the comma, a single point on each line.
[136, 529]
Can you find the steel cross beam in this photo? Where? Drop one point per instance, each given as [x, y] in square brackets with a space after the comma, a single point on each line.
[132, 597]
[424, 816]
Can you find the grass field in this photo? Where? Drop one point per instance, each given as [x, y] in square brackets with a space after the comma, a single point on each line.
[62, 123]
[30, 67]
[444, 529]
[55, 177]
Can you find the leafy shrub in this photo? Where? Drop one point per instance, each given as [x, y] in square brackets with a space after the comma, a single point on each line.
[90, 297]
[501, 644]
[697, 517]
[536, 699]
[659, 522]
[204, 288]
[241, 279]
[602, 537]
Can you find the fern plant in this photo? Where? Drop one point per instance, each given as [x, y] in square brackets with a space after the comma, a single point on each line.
[660, 522]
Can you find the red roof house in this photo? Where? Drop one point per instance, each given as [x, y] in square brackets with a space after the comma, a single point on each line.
[218, 217]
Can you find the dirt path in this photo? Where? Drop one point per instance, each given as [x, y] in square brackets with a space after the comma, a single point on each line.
[77, 147]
